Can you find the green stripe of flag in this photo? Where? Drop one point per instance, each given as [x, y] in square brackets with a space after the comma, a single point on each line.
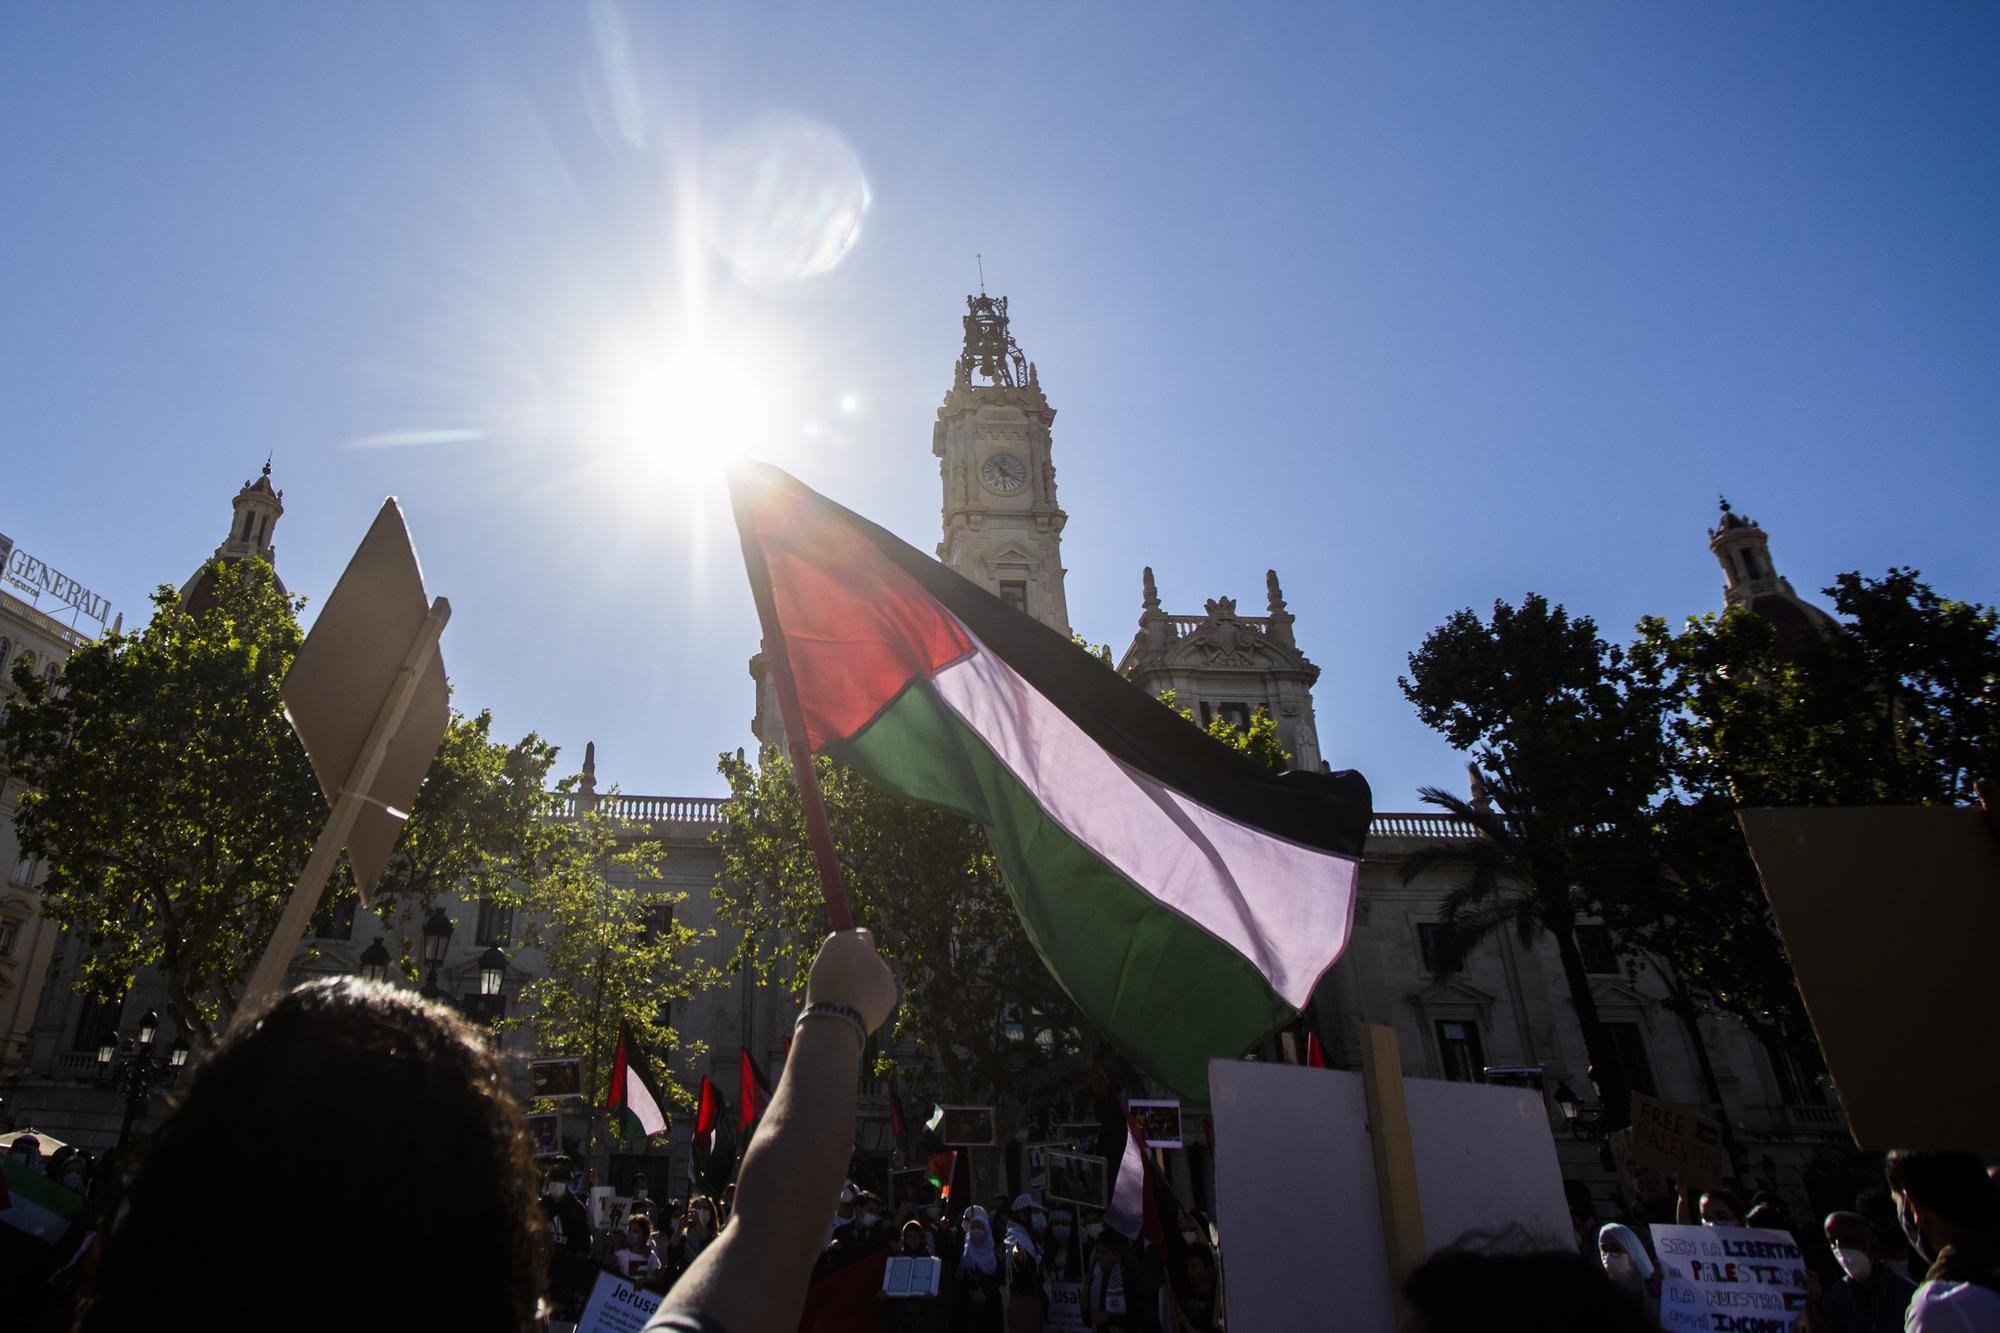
[1143, 995]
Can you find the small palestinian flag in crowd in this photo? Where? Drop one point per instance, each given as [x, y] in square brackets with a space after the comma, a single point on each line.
[753, 1093]
[1185, 896]
[639, 1109]
[713, 1160]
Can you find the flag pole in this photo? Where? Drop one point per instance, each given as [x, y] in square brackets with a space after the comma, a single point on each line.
[817, 830]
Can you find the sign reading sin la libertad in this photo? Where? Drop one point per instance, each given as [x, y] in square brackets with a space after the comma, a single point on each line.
[25, 571]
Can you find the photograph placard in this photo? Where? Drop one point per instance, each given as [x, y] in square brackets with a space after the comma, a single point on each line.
[560, 1077]
[1159, 1122]
[968, 1127]
[1079, 1178]
[545, 1134]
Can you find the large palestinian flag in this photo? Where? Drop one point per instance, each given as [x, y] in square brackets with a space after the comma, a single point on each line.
[1185, 896]
[635, 1097]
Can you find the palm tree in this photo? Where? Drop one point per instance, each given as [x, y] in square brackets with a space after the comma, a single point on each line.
[1535, 872]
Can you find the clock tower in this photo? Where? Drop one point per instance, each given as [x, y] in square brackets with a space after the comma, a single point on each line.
[1002, 525]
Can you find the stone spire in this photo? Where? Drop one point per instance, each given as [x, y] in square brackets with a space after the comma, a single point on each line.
[1280, 628]
[1149, 593]
[586, 782]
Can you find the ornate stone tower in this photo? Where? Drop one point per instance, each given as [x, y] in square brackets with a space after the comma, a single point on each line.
[1750, 580]
[253, 518]
[1002, 525]
[1221, 664]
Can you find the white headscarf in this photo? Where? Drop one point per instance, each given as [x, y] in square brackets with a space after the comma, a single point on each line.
[1627, 1242]
[979, 1256]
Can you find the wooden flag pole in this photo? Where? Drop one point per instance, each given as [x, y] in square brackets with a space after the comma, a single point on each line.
[817, 829]
[353, 793]
[1395, 1158]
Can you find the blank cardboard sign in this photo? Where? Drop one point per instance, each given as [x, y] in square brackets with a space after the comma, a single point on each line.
[1890, 915]
[344, 672]
[1300, 1220]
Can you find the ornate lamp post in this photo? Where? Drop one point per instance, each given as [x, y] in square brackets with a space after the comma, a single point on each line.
[437, 939]
[492, 975]
[375, 962]
[131, 1067]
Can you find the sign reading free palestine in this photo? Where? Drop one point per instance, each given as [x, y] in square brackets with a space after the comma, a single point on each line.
[1728, 1279]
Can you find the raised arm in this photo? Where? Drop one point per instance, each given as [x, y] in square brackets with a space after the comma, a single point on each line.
[752, 1279]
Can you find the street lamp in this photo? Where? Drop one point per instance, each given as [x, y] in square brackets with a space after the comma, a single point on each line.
[492, 971]
[375, 962]
[138, 1071]
[437, 939]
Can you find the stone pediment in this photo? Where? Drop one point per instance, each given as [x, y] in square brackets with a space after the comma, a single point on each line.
[1616, 991]
[1230, 643]
[1452, 992]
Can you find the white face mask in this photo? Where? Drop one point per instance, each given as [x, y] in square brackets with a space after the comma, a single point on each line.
[1618, 1266]
[1855, 1263]
[703, 1216]
[1190, 1235]
[558, 1188]
[1093, 1229]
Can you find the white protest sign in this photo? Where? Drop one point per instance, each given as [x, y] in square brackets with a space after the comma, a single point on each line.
[616, 1306]
[1301, 1224]
[1065, 1312]
[1728, 1279]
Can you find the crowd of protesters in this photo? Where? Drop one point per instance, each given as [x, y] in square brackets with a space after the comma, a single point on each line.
[452, 1229]
[1010, 1266]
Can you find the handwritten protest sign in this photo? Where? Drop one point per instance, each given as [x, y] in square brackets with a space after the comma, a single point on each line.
[1728, 1279]
[1672, 1140]
[616, 1306]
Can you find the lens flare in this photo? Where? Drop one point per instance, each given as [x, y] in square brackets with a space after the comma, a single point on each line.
[783, 198]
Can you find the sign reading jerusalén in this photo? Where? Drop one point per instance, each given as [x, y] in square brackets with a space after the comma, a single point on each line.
[25, 571]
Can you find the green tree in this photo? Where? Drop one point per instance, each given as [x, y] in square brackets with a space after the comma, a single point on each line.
[174, 806]
[976, 999]
[1568, 737]
[167, 795]
[477, 823]
[612, 949]
[1259, 740]
[1899, 705]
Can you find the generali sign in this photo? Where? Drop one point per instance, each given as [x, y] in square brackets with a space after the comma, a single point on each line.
[25, 571]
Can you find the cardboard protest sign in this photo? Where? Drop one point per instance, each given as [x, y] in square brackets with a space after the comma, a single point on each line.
[1079, 1179]
[968, 1127]
[1303, 1223]
[616, 1306]
[1159, 1122]
[1064, 1313]
[1668, 1139]
[1889, 916]
[366, 695]
[559, 1077]
[1743, 1279]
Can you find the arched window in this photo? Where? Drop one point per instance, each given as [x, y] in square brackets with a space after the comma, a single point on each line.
[49, 674]
[249, 517]
[6, 654]
[264, 530]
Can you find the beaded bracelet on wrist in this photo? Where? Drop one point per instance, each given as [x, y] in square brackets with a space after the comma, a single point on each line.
[827, 1009]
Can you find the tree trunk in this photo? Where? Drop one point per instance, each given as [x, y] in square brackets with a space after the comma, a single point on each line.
[1613, 1093]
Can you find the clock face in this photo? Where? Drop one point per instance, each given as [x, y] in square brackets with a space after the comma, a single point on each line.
[1004, 473]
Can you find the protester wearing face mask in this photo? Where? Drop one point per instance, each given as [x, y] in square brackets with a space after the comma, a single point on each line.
[1626, 1263]
[1878, 1207]
[843, 1212]
[643, 1203]
[1950, 1210]
[1872, 1296]
[571, 1271]
[977, 1284]
[637, 1260]
[701, 1226]
[1717, 1208]
[1114, 1298]
[1027, 1305]
[869, 1233]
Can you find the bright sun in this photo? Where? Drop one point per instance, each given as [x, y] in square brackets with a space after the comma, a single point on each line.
[671, 414]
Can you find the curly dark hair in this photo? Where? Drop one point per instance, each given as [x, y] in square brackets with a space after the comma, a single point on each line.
[333, 1089]
[1495, 1284]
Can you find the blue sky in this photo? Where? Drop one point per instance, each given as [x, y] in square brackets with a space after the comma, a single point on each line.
[1421, 305]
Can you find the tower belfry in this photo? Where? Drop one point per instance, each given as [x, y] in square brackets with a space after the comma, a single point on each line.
[1750, 580]
[1002, 526]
